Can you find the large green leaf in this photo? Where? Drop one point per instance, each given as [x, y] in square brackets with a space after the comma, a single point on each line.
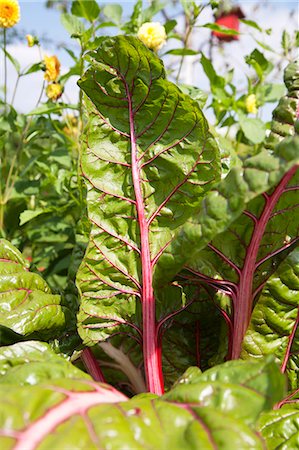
[32, 362]
[223, 207]
[203, 414]
[147, 148]
[274, 322]
[250, 223]
[237, 388]
[27, 305]
[239, 260]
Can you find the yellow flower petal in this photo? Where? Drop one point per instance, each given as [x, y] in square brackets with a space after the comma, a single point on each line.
[9, 13]
[152, 34]
[250, 104]
[52, 68]
[54, 91]
[30, 40]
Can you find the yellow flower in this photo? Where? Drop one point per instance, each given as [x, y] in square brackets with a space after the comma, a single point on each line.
[52, 68]
[30, 40]
[9, 13]
[152, 34]
[250, 104]
[54, 91]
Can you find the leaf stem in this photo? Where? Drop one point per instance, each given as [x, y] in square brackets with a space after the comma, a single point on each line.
[244, 300]
[290, 343]
[151, 348]
[92, 365]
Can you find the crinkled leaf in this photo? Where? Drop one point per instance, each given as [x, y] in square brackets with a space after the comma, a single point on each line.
[285, 114]
[27, 305]
[237, 388]
[32, 362]
[258, 209]
[280, 427]
[274, 322]
[143, 122]
[224, 207]
[85, 415]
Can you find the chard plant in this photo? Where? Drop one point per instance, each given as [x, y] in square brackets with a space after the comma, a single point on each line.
[148, 160]
[188, 288]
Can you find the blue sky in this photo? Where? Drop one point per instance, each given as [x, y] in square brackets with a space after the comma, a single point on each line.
[35, 18]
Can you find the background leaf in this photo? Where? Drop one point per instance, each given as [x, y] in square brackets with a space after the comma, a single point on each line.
[27, 305]
[33, 362]
[88, 9]
[280, 427]
[276, 315]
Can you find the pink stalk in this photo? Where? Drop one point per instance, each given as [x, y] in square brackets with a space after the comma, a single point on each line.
[92, 365]
[151, 348]
[75, 403]
[289, 346]
[244, 299]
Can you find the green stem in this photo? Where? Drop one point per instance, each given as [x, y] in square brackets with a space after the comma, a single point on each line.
[15, 90]
[188, 32]
[1, 219]
[40, 96]
[80, 124]
[5, 68]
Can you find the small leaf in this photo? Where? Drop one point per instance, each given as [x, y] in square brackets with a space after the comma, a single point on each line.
[285, 41]
[271, 92]
[181, 52]
[30, 214]
[261, 65]
[14, 62]
[72, 24]
[253, 129]
[251, 23]
[113, 12]
[221, 29]
[50, 107]
[88, 9]
[34, 68]
[170, 25]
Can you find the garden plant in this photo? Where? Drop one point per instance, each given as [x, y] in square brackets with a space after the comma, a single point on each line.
[149, 267]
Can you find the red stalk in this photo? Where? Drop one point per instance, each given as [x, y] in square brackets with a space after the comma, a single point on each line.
[151, 347]
[289, 346]
[244, 300]
[92, 365]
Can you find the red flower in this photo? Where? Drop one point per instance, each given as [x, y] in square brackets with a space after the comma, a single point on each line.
[229, 20]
